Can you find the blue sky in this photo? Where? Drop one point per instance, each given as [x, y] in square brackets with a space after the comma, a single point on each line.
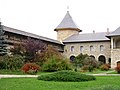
[41, 17]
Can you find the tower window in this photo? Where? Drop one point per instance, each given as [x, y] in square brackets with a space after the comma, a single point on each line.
[72, 48]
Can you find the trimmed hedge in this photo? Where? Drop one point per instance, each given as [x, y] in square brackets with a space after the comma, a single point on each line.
[66, 76]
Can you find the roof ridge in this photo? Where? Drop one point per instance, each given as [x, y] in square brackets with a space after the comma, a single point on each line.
[30, 34]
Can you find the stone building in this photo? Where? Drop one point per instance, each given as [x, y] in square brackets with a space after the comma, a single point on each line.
[103, 46]
[115, 47]
[17, 36]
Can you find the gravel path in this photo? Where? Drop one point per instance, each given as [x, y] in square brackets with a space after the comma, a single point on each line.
[34, 76]
[15, 76]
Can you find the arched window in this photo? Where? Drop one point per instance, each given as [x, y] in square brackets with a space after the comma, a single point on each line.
[118, 63]
[92, 56]
[101, 47]
[72, 48]
[91, 48]
[81, 49]
[72, 58]
[102, 59]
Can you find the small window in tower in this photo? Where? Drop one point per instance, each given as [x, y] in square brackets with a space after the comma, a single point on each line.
[72, 48]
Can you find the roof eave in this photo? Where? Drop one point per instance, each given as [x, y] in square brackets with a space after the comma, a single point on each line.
[85, 41]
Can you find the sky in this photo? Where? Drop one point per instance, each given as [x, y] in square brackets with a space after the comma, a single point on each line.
[41, 17]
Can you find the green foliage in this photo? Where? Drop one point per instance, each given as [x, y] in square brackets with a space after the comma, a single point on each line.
[54, 61]
[32, 48]
[30, 68]
[53, 64]
[117, 69]
[66, 76]
[33, 84]
[90, 61]
[105, 67]
[85, 67]
[51, 52]
[79, 59]
[3, 42]
[12, 62]
[86, 62]
[106, 87]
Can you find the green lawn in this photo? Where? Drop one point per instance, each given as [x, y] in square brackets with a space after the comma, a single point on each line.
[34, 84]
[11, 72]
[19, 72]
[97, 71]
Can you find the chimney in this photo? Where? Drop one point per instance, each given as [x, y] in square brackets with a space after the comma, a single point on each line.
[107, 31]
[94, 31]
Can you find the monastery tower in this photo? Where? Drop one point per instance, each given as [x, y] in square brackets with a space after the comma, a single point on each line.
[66, 28]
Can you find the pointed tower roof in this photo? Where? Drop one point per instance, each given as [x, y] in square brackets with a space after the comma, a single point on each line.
[67, 23]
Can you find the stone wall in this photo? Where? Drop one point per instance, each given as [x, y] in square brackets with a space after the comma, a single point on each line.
[115, 57]
[86, 49]
[63, 34]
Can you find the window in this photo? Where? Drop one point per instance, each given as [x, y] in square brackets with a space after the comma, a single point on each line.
[65, 50]
[81, 49]
[91, 48]
[72, 48]
[101, 47]
[72, 58]
[118, 44]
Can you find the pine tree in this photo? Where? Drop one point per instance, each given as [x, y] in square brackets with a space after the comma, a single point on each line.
[3, 42]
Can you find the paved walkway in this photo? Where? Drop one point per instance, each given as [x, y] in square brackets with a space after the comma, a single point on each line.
[16, 76]
[105, 74]
[34, 76]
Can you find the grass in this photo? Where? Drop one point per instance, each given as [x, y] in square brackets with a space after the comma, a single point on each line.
[11, 72]
[114, 72]
[19, 72]
[34, 84]
[97, 71]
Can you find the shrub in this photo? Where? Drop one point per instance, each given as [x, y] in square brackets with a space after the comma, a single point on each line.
[66, 76]
[79, 59]
[85, 67]
[50, 65]
[90, 68]
[104, 67]
[11, 62]
[90, 61]
[118, 69]
[64, 65]
[86, 62]
[30, 68]
[56, 65]
[49, 53]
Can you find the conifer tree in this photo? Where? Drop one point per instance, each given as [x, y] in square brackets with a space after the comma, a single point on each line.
[3, 42]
